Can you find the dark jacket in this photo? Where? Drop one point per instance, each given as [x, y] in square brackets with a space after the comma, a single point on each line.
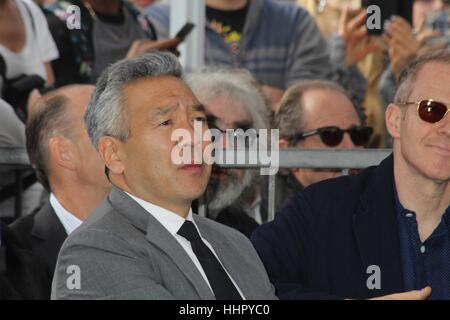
[22, 274]
[43, 234]
[236, 218]
[321, 244]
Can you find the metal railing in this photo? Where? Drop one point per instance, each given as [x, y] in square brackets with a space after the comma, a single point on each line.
[344, 159]
[17, 159]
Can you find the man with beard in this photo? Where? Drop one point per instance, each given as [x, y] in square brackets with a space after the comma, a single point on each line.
[232, 101]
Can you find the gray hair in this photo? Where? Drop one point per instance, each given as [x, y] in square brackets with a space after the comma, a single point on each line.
[105, 114]
[289, 116]
[239, 84]
[408, 76]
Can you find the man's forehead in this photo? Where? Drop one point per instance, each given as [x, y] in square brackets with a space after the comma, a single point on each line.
[172, 107]
[431, 82]
[158, 92]
[224, 108]
[318, 104]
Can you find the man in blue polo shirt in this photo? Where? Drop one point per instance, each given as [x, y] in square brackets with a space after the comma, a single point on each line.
[385, 230]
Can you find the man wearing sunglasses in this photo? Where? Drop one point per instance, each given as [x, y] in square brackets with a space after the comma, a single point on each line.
[383, 233]
[315, 114]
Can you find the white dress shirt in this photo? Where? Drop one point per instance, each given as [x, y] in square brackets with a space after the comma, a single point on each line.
[68, 220]
[173, 222]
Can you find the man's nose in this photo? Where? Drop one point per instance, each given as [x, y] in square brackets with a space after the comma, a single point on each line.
[444, 127]
[347, 142]
[192, 128]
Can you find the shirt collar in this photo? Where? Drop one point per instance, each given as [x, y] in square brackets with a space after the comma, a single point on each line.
[402, 211]
[169, 219]
[69, 221]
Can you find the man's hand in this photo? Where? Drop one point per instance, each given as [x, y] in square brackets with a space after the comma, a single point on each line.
[403, 45]
[410, 295]
[144, 46]
[354, 33]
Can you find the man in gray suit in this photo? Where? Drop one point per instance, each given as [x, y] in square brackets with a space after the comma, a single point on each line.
[144, 242]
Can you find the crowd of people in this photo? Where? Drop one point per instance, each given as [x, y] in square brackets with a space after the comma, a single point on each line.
[95, 103]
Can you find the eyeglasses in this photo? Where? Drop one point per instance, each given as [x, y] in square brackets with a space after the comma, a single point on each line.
[429, 110]
[243, 136]
[333, 136]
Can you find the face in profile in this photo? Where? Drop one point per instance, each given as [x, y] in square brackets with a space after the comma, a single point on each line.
[155, 108]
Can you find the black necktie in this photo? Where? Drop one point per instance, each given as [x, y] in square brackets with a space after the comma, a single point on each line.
[220, 283]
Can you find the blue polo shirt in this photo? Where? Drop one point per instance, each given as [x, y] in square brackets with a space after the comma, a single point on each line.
[424, 263]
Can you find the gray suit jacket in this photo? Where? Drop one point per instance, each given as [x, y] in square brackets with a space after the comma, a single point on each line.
[123, 252]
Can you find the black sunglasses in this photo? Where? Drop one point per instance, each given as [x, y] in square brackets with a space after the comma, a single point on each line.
[429, 110]
[332, 136]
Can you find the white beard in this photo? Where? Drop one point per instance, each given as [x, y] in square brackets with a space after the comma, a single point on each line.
[225, 195]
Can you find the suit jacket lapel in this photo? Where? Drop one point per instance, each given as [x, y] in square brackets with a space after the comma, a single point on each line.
[376, 229]
[161, 238]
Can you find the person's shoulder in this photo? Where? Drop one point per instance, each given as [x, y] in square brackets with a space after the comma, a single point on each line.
[104, 229]
[6, 110]
[31, 5]
[158, 9]
[44, 216]
[25, 224]
[220, 229]
[34, 9]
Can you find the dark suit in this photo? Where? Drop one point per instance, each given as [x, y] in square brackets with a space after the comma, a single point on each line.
[22, 274]
[43, 234]
[321, 244]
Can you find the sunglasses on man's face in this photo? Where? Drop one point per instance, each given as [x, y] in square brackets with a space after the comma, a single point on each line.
[333, 136]
[429, 110]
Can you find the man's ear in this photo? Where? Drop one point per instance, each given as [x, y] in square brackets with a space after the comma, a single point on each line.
[63, 153]
[110, 151]
[393, 118]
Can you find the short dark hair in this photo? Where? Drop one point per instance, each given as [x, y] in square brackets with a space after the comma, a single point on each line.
[48, 120]
[408, 76]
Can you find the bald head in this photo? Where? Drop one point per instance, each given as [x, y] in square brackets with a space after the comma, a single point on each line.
[57, 113]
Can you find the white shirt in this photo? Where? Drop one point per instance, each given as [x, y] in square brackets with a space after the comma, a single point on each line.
[68, 220]
[173, 222]
[39, 48]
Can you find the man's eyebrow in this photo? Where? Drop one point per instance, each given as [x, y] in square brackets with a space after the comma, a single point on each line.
[199, 107]
[162, 111]
[244, 124]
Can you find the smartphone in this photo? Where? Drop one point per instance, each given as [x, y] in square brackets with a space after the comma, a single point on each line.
[439, 21]
[389, 8]
[184, 32]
